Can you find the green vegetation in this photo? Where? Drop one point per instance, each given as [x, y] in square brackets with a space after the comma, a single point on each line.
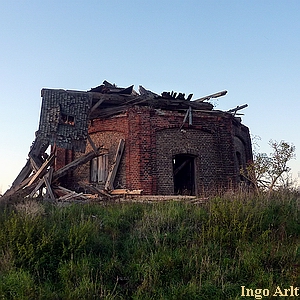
[172, 250]
[271, 172]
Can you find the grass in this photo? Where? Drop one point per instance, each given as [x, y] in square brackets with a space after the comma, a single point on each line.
[172, 250]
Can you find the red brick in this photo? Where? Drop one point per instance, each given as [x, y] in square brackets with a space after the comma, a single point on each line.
[153, 137]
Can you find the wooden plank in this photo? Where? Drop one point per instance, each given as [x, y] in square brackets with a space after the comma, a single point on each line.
[42, 169]
[94, 167]
[74, 164]
[97, 104]
[234, 110]
[215, 95]
[71, 196]
[96, 150]
[21, 191]
[49, 190]
[24, 173]
[38, 148]
[109, 185]
[34, 166]
[185, 118]
[67, 196]
[182, 166]
[102, 168]
[97, 190]
[17, 188]
[104, 193]
[161, 198]
[190, 117]
[38, 186]
[65, 190]
[50, 174]
[47, 179]
[101, 192]
[126, 191]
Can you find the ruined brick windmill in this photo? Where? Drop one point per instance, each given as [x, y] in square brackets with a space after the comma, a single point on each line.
[111, 140]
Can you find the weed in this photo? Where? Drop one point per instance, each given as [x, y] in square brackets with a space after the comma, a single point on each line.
[171, 250]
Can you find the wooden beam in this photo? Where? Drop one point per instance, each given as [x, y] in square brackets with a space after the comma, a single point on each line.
[234, 110]
[42, 170]
[63, 189]
[71, 196]
[96, 150]
[190, 117]
[47, 179]
[21, 191]
[50, 174]
[187, 115]
[67, 196]
[182, 166]
[49, 190]
[109, 185]
[97, 104]
[24, 173]
[100, 191]
[74, 164]
[37, 187]
[215, 95]
[15, 189]
[36, 149]
[34, 165]
[126, 192]
[36, 161]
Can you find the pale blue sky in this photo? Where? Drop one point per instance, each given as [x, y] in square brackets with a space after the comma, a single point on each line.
[250, 48]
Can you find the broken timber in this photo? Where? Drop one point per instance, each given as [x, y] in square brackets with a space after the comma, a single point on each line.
[75, 163]
[126, 192]
[42, 170]
[43, 176]
[47, 179]
[113, 171]
[215, 95]
[35, 161]
[234, 110]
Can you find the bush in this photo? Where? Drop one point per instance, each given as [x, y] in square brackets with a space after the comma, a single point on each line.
[17, 284]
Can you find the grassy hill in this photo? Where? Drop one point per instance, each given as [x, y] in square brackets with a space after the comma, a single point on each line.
[172, 250]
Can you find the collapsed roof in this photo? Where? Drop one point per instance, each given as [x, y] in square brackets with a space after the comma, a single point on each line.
[114, 100]
[65, 114]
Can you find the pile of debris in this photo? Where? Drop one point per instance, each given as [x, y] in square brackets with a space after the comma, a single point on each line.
[114, 100]
[38, 175]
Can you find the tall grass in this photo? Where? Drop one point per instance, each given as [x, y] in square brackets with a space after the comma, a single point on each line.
[172, 250]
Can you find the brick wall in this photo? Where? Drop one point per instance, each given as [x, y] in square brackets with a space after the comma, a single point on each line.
[210, 141]
[153, 138]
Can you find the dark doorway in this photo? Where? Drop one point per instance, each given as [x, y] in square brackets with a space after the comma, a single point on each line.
[184, 174]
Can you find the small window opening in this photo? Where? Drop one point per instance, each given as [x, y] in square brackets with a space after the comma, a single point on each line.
[184, 174]
[67, 119]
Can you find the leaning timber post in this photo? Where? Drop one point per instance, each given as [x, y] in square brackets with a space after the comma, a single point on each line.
[75, 163]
